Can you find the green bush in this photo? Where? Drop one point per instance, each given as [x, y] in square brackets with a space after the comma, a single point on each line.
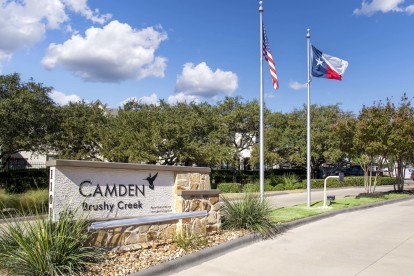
[249, 213]
[43, 247]
[19, 181]
[279, 187]
[274, 180]
[349, 181]
[255, 188]
[229, 187]
[289, 180]
[300, 185]
[251, 188]
[247, 176]
[385, 180]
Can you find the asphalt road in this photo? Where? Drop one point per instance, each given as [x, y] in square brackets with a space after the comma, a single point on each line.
[377, 241]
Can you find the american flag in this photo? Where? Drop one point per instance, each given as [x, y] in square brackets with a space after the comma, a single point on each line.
[268, 56]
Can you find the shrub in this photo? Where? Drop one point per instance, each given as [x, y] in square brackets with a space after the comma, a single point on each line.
[43, 247]
[279, 187]
[251, 188]
[19, 181]
[349, 181]
[300, 185]
[229, 187]
[255, 188]
[249, 213]
[274, 180]
[385, 180]
[289, 180]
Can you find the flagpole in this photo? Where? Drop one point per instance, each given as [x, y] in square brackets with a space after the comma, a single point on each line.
[261, 134]
[308, 146]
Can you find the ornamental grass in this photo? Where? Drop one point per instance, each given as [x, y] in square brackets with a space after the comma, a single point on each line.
[44, 247]
[249, 213]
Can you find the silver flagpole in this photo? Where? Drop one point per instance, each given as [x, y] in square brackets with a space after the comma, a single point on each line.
[308, 157]
[261, 135]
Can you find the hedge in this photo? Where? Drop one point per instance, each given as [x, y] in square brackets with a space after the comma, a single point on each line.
[245, 176]
[315, 184]
[229, 187]
[255, 188]
[20, 181]
[349, 181]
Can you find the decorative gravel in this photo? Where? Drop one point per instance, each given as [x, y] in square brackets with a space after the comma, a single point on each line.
[128, 259]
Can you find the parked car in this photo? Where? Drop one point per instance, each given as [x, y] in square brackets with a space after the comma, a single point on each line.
[354, 171]
[329, 172]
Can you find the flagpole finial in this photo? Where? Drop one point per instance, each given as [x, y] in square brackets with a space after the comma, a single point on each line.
[308, 33]
[260, 6]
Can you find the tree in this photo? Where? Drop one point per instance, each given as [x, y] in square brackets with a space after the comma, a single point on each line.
[241, 124]
[380, 133]
[80, 128]
[373, 130]
[166, 134]
[28, 116]
[285, 137]
[401, 140]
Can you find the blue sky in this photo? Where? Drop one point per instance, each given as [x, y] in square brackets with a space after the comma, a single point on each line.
[204, 50]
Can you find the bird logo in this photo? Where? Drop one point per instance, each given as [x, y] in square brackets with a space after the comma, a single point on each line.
[150, 180]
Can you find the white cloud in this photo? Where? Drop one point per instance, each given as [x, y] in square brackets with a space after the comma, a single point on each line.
[384, 6]
[113, 53]
[81, 7]
[297, 85]
[410, 9]
[182, 98]
[23, 23]
[152, 99]
[63, 99]
[127, 100]
[200, 80]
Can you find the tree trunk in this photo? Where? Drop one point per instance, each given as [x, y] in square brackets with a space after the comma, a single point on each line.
[400, 175]
[370, 178]
[375, 182]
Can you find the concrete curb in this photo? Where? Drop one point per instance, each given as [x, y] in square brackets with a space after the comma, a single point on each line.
[206, 254]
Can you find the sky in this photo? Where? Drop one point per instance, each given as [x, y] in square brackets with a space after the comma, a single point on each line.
[205, 50]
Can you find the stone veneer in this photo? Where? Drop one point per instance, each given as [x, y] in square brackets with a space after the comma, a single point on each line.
[192, 192]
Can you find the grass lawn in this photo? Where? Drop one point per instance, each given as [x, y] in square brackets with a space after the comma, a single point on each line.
[286, 214]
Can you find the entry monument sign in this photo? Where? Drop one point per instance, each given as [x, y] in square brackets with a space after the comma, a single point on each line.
[112, 190]
[134, 203]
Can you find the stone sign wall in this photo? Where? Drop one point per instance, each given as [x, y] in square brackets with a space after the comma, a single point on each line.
[119, 190]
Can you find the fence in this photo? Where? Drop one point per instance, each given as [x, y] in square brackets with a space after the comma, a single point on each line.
[21, 164]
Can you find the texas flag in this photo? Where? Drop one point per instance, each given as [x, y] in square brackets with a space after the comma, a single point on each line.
[326, 66]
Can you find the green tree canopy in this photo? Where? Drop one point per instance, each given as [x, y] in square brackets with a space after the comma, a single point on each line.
[240, 121]
[27, 115]
[80, 128]
[168, 134]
